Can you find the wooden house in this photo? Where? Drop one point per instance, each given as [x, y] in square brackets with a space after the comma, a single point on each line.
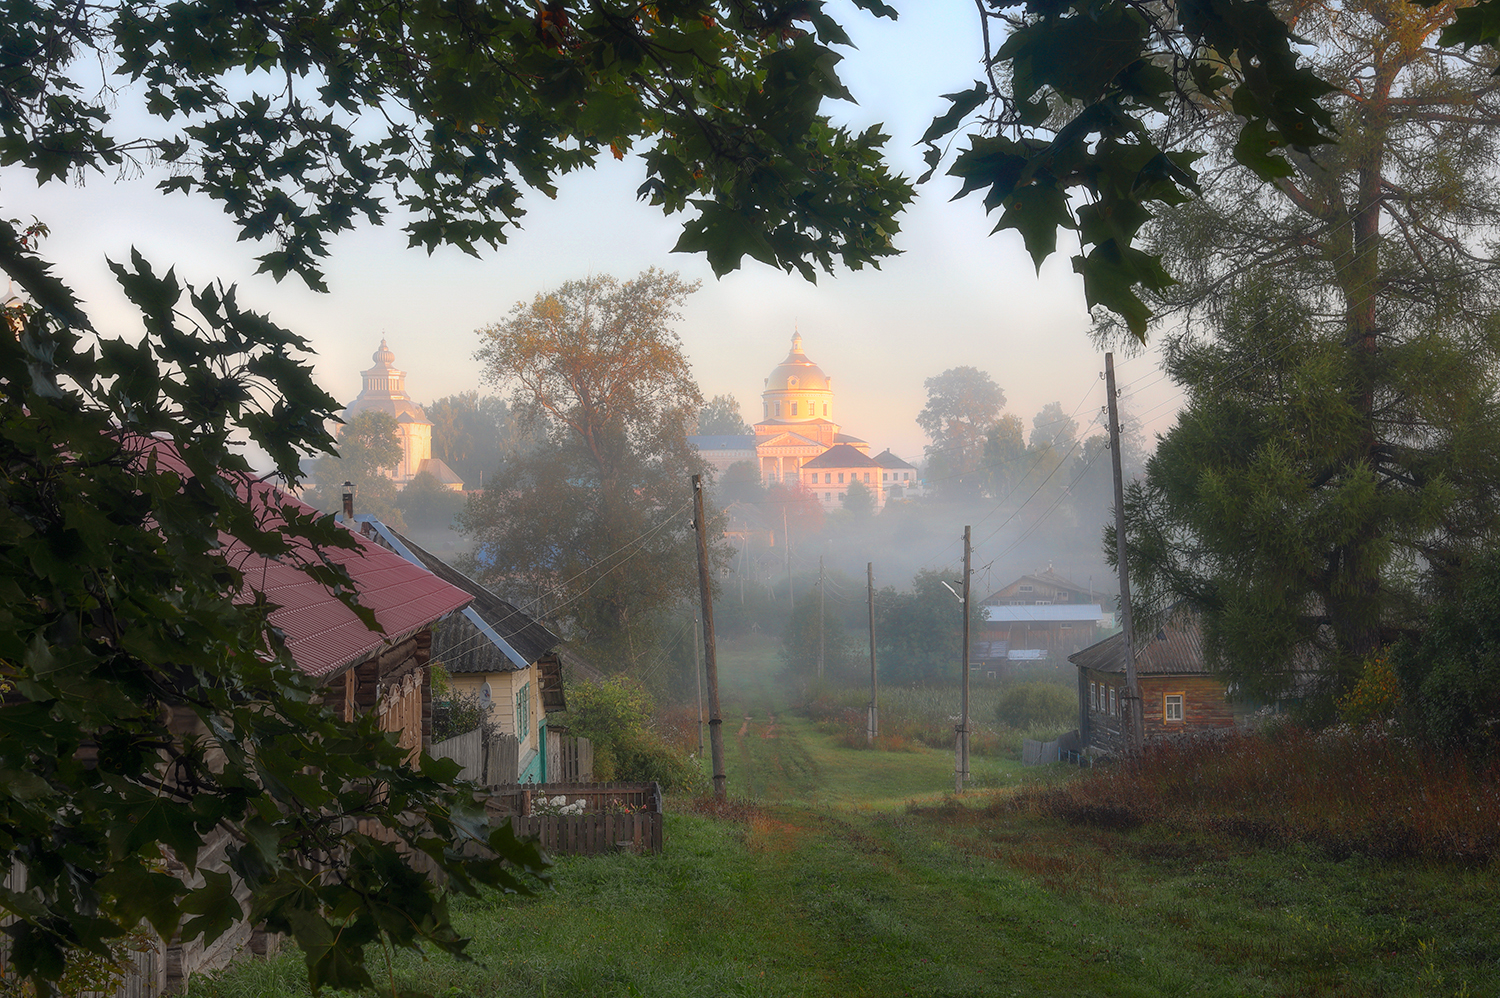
[1042, 588]
[1178, 693]
[1009, 635]
[496, 652]
[361, 671]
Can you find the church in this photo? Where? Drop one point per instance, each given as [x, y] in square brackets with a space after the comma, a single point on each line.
[385, 391]
[797, 442]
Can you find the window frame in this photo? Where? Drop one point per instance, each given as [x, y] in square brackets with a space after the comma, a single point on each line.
[1166, 707]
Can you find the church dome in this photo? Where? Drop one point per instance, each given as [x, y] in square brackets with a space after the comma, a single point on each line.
[797, 373]
[385, 391]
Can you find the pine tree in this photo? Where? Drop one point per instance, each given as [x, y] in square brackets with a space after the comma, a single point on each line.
[1336, 462]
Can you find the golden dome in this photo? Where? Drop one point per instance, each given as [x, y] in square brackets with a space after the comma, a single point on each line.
[797, 373]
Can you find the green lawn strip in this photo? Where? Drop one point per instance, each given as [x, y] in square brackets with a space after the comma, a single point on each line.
[834, 887]
[1212, 911]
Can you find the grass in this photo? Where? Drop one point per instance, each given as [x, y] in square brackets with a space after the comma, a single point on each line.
[842, 872]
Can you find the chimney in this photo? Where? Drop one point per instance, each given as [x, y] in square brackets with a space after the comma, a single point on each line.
[349, 504]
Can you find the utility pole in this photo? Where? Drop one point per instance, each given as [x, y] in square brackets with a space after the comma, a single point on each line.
[872, 730]
[705, 596]
[820, 616]
[1134, 716]
[961, 750]
[698, 674]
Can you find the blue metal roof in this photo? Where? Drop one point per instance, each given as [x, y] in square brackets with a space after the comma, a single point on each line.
[1053, 613]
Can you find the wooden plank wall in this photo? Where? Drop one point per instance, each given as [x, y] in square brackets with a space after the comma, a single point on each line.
[487, 761]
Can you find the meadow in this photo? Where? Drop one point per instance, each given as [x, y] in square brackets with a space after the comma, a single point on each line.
[841, 871]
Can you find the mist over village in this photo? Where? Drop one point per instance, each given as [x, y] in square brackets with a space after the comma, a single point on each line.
[582, 498]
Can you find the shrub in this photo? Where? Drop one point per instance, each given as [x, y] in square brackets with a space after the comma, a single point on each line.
[455, 713]
[1037, 705]
[616, 716]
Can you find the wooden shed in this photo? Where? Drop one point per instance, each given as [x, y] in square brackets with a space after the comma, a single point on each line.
[1178, 692]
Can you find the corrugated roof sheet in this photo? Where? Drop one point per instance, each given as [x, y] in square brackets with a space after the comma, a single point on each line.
[518, 638]
[1049, 613]
[323, 634]
[1175, 649]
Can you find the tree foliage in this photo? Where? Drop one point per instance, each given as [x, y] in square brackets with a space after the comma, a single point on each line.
[1336, 464]
[594, 523]
[919, 634]
[1451, 672]
[720, 416]
[125, 630]
[427, 504]
[1071, 88]
[367, 447]
[842, 653]
[474, 435]
[305, 117]
[963, 404]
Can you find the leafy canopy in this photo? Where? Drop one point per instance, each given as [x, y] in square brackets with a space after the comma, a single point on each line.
[597, 374]
[148, 704]
[305, 117]
[1334, 473]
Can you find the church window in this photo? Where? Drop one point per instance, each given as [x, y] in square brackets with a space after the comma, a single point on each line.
[778, 410]
[827, 477]
[765, 410]
[841, 478]
[791, 382]
[794, 408]
[825, 408]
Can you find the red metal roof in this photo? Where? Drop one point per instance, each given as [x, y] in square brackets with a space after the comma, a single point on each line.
[323, 635]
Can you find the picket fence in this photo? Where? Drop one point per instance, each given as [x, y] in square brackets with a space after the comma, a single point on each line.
[618, 817]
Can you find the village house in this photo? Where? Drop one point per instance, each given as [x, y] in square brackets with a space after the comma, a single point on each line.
[831, 474]
[1041, 634]
[1041, 617]
[361, 672]
[1178, 693]
[1040, 588]
[495, 652]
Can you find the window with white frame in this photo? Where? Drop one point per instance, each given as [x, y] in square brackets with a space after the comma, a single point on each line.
[1027, 589]
[1112, 706]
[794, 408]
[1171, 709]
[1093, 696]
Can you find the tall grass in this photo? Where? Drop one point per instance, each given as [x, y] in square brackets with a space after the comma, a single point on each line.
[1343, 791]
[917, 716]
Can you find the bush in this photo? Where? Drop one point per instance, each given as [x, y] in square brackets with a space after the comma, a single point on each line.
[616, 716]
[455, 713]
[1037, 705]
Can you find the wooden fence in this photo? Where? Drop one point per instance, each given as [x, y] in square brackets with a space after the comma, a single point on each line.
[569, 759]
[1035, 753]
[618, 816]
[485, 760]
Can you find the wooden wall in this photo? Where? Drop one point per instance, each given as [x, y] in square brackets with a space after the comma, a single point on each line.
[1204, 707]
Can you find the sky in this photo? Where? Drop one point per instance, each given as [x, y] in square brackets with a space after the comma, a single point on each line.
[956, 296]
